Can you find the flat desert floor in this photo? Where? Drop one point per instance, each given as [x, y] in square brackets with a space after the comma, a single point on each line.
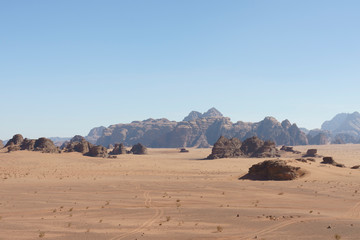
[170, 195]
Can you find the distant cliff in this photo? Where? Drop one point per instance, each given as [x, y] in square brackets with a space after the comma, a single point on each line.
[199, 130]
[344, 128]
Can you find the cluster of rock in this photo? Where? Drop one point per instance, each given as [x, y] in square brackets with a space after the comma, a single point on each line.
[251, 147]
[81, 145]
[331, 161]
[42, 144]
[118, 149]
[273, 170]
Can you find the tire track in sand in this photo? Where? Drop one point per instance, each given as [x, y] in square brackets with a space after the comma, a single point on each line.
[273, 228]
[353, 212]
[159, 212]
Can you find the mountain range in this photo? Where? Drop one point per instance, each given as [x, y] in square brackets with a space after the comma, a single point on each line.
[203, 129]
[198, 130]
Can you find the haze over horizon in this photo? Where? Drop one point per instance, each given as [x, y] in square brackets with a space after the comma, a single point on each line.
[69, 66]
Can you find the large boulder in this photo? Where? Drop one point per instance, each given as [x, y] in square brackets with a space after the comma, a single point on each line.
[45, 145]
[118, 149]
[138, 149]
[97, 151]
[311, 153]
[267, 150]
[78, 144]
[331, 161]
[251, 145]
[16, 140]
[28, 144]
[274, 170]
[226, 148]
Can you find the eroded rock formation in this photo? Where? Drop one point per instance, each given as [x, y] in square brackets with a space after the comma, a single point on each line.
[274, 170]
[139, 149]
[331, 161]
[118, 149]
[251, 147]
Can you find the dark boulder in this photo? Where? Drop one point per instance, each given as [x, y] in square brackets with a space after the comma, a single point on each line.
[331, 161]
[78, 144]
[267, 150]
[45, 145]
[251, 145]
[16, 140]
[138, 149]
[184, 150]
[311, 153]
[289, 149]
[97, 151]
[28, 144]
[273, 170]
[355, 167]
[226, 148]
[118, 149]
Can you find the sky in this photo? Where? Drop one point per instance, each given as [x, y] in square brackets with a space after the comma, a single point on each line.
[68, 66]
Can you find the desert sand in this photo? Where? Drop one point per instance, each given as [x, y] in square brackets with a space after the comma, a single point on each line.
[170, 195]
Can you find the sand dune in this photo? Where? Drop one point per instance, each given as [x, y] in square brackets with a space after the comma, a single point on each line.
[172, 195]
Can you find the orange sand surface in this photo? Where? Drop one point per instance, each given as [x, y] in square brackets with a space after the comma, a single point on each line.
[170, 195]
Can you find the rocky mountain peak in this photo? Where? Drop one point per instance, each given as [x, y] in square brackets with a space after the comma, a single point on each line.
[211, 113]
[286, 123]
[193, 115]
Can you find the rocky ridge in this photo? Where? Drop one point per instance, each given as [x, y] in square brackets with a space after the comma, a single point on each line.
[199, 130]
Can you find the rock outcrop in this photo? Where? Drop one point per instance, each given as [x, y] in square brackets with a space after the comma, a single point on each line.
[311, 153]
[78, 144]
[118, 149]
[139, 149]
[267, 150]
[251, 147]
[97, 151]
[289, 149]
[16, 140]
[274, 170]
[1, 144]
[226, 148]
[331, 161]
[44, 145]
[199, 130]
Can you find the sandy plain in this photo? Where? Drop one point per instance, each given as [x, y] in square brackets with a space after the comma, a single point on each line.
[172, 195]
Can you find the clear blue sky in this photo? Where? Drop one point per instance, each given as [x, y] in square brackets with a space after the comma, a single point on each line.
[68, 66]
